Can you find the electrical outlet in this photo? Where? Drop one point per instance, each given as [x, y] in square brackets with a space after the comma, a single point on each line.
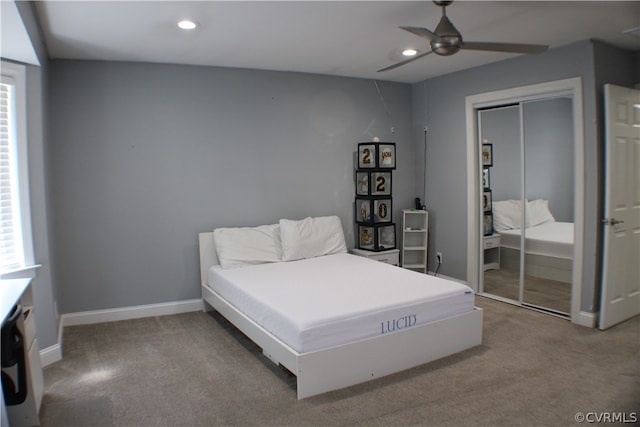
[439, 257]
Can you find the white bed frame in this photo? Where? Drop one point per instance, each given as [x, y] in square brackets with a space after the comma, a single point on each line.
[348, 364]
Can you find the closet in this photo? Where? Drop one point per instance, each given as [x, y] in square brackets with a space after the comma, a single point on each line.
[527, 195]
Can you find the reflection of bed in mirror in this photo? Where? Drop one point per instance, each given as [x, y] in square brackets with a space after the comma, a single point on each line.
[548, 243]
[548, 250]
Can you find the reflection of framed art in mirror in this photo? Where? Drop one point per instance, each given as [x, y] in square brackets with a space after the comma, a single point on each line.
[486, 201]
[487, 155]
[488, 224]
[486, 178]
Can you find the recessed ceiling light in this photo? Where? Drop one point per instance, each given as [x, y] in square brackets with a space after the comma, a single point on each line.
[187, 24]
[409, 52]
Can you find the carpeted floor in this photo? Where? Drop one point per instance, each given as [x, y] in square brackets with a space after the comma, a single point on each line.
[195, 369]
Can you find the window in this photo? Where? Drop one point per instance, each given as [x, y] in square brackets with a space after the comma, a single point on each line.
[16, 247]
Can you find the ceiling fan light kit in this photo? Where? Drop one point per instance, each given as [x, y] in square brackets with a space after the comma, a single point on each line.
[446, 40]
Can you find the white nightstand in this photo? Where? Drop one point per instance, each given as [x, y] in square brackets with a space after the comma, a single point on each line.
[391, 256]
[491, 247]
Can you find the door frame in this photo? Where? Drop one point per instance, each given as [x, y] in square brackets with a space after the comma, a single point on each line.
[572, 87]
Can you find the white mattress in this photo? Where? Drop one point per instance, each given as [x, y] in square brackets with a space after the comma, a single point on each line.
[336, 299]
[552, 239]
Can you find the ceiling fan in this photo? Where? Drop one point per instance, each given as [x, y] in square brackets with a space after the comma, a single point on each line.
[446, 40]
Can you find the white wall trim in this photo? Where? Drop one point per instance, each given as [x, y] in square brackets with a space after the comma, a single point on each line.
[135, 312]
[51, 354]
[585, 318]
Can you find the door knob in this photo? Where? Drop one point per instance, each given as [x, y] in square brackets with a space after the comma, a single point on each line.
[611, 221]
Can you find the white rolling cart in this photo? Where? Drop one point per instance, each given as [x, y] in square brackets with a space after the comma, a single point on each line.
[415, 235]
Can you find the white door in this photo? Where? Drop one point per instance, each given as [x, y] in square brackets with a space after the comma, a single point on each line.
[620, 299]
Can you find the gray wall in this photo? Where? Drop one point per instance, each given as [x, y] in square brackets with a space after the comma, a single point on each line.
[439, 103]
[146, 156]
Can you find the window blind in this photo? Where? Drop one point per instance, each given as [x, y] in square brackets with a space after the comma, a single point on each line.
[10, 234]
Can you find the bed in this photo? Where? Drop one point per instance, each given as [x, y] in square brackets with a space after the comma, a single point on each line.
[548, 243]
[332, 318]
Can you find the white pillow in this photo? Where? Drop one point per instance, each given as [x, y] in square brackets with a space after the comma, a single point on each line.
[538, 213]
[507, 214]
[311, 237]
[243, 246]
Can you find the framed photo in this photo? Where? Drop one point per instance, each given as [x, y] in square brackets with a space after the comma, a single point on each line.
[376, 155]
[387, 156]
[370, 183]
[367, 156]
[364, 210]
[380, 183]
[386, 237]
[366, 237]
[487, 224]
[486, 178]
[362, 184]
[487, 155]
[486, 201]
[377, 237]
[381, 210]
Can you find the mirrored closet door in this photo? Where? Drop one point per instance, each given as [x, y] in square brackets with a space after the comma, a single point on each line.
[528, 202]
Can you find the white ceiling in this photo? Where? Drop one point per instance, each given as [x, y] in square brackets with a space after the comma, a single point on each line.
[344, 38]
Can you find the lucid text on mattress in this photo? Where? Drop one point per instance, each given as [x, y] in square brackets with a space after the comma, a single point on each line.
[398, 324]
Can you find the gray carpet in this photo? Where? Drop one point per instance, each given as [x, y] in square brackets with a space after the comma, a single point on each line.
[195, 369]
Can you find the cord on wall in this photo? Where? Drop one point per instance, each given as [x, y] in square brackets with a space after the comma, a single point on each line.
[439, 259]
[424, 166]
[424, 170]
[425, 129]
[386, 109]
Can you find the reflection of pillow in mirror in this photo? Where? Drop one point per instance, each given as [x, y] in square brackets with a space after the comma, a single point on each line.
[507, 214]
[538, 213]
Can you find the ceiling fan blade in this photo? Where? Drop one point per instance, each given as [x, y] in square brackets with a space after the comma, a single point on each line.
[504, 47]
[406, 61]
[421, 32]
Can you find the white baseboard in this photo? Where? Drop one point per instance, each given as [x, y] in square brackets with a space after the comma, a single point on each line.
[53, 353]
[585, 318]
[50, 355]
[135, 312]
